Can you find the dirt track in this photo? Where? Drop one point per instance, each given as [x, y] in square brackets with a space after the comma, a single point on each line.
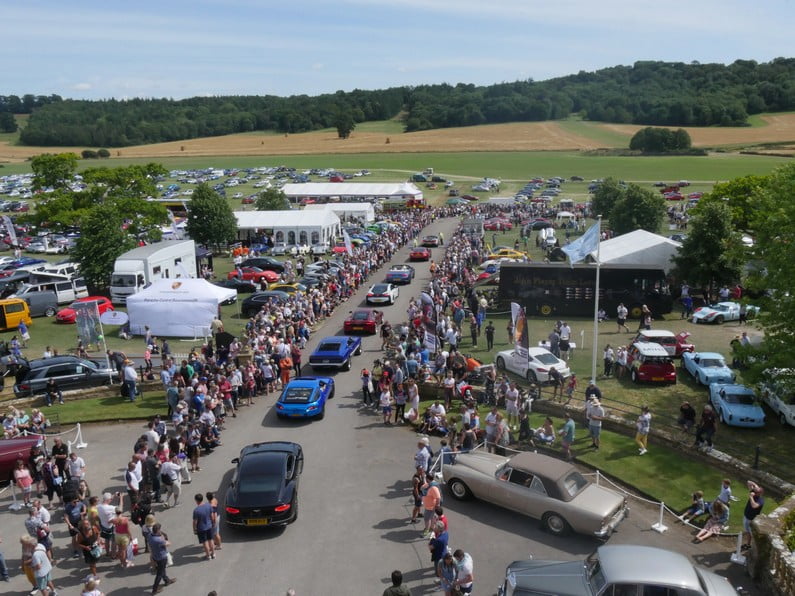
[523, 136]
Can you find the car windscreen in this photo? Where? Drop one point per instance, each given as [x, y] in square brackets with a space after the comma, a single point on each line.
[329, 346]
[572, 484]
[745, 399]
[253, 483]
[361, 316]
[712, 363]
[380, 289]
[298, 395]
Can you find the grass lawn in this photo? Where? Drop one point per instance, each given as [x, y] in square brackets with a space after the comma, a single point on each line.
[115, 407]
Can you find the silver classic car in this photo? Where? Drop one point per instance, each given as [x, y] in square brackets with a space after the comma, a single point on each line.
[539, 486]
[615, 570]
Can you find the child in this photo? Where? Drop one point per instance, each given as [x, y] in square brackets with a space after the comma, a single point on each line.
[570, 388]
[696, 509]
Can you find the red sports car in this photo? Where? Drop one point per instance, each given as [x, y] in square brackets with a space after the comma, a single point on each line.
[361, 321]
[255, 274]
[68, 314]
[497, 224]
[420, 254]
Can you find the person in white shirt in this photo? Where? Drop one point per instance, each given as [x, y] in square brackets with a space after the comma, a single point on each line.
[512, 405]
[491, 428]
[172, 469]
[106, 512]
[75, 466]
[437, 409]
[152, 437]
[466, 575]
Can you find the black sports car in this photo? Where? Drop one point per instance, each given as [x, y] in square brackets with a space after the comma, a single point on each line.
[264, 488]
[243, 286]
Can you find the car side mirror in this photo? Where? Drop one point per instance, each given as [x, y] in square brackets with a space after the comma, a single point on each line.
[236, 460]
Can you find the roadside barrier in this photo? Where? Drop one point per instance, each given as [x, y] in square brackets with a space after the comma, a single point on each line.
[78, 442]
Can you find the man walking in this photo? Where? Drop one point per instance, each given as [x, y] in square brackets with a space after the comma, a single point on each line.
[130, 378]
[203, 521]
[753, 507]
[490, 336]
[567, 436]
[621, 318]
[595, 413]
[465, 577]
[158, 547]
[643, 425]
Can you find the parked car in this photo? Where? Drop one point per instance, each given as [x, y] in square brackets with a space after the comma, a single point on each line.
[707, 367]
[69, 314]
[539, 486]
[292, 288]
[241, 286]
[305, 397]
[361, 320]
[736, 405]
[69, 372]
[721, 312]
[16, 448]
[536, 368]
[254, 303]
[650, 363]
[538, 223]
[615, 570]
[777, 389]
[497, 224]
[254, 274]
[430, 241]
[420, 253]
[674, 344]
[507, 253]
[336, 351]
[267, 263]
[44, 303]
[319, 249]
[400, 274]
[264, 487]
[382, 294]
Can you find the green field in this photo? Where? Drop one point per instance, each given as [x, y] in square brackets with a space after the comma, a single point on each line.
[518, 166]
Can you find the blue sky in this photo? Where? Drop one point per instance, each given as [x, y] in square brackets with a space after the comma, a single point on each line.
[173, 48]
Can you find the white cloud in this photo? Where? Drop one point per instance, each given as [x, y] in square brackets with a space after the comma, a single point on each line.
[318, 66]
[82, 86]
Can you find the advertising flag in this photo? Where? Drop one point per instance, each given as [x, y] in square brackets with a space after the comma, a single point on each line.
[348, 243]
[12, 233]
[89, 328]
[521, 340]
[584, 245]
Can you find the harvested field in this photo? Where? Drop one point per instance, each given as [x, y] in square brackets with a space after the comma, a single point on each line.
[569, 135]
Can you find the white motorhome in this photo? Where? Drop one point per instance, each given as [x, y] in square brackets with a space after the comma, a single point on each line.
[139, 267]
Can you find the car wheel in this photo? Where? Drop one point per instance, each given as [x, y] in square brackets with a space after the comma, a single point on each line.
[545, 309]
[531, 376]
[295, 509]
[459, 490]
[358, 350]
[50, 312]
[634, 376]
[347, 365]
[555, 524]
[322, 413]
[719, 319]
[500, 363]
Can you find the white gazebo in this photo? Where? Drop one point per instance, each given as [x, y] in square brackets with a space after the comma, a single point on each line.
[293, 227]
[359, 212]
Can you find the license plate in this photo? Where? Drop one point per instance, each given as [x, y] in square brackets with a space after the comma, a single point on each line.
[326, 361]
[657, 379]
[295, 415]
[257, 522]
[358, 328]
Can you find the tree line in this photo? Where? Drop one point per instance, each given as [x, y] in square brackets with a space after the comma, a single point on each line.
[649, 92]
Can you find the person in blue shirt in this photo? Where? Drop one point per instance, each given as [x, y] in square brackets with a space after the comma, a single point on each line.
[438, 544]
[203, 520]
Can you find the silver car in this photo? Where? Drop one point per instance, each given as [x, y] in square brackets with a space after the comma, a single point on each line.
[539, 486]
[617, 570]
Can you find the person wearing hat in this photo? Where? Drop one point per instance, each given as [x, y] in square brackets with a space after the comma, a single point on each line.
[130, 379]
[91, 587]
[595, 413]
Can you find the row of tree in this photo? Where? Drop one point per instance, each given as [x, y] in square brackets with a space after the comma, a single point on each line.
[653, 93]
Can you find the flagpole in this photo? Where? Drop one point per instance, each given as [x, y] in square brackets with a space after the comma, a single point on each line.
[595, 345]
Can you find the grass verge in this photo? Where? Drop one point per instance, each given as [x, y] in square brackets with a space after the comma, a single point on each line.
[108, 408]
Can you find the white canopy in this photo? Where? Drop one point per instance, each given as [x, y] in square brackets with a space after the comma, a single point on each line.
[362, 190]
[176, 307]
[638, 248]
[363, 211]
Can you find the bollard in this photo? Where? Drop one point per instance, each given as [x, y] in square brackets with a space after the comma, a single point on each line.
[598, 477]
[660, 526]
[737, 556]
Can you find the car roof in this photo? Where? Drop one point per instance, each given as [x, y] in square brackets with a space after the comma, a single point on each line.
[342, 338]
[536, 350]
[707, 355]
[400, 267]
[271, 446]
[41, 362]
[656, 333]
[308, 381]
[733, 388]
[543, 465]
[650, 349]
[650, 565]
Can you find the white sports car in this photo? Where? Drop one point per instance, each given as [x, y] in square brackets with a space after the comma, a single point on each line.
[382, 294]
[722, 311]
[536, 370]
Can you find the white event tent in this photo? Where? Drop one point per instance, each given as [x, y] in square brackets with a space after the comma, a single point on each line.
[182, 307]
[290, 226]
[638, 248]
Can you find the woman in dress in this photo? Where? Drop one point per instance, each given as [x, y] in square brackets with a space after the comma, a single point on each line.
[447, 572]
[88, 541]
[122, 536]
[23, 480]
[719, 517]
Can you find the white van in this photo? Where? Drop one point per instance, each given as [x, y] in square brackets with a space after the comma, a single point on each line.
[66, 290]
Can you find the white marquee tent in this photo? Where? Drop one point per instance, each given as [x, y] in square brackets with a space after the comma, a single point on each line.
[352, 190]
[292, 227]
[347, 211]
[176, 307]
[638, 248]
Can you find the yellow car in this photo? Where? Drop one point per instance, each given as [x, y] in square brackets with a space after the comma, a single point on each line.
[507, 252]
[289, 288]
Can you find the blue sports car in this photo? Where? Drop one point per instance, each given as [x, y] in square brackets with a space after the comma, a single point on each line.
[736, 405]
[305, 397]
[707, 367]
[336, 351]
[400, 274]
